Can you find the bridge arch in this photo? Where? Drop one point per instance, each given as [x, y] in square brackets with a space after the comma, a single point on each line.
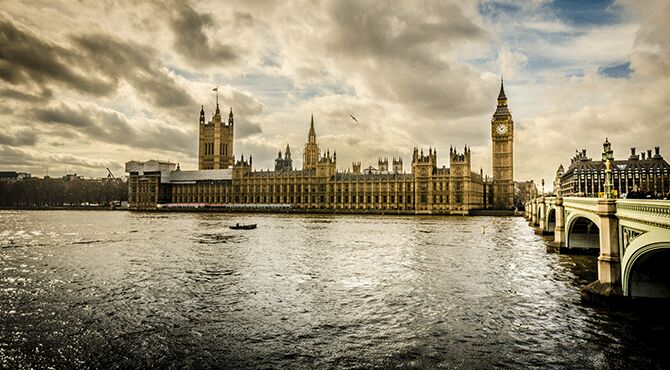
[645, 271]
[550, 219]
[582, 231]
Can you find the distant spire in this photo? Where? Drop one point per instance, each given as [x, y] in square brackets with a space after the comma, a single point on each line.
[288, 151]
[202, 114]
[230, 116]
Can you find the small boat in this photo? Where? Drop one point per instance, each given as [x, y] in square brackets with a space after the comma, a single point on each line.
[243, 227]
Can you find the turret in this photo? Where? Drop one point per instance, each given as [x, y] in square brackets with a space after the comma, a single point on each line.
[356, 167]
[286, 163]
[327, 165]
[383, 165]
[397, 165]
[242, 167]
[454, 156]
[230, 117]
[427, 162]
[202, 114]
[459, 164]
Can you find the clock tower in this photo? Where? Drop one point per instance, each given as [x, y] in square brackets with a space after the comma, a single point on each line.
[502, 133]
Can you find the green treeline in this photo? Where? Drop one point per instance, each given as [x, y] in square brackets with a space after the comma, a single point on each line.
[35, 192]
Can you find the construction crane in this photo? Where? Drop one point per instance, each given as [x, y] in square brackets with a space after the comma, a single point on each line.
[110, 175]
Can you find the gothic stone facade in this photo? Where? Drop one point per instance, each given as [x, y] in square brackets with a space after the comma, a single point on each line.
[222, 183]
[215, 141]
[502, 134]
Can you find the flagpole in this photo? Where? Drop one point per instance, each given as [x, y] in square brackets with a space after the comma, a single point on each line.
[217, 94]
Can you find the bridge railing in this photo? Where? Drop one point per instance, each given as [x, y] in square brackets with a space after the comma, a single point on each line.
[656, 212]
[585, 204]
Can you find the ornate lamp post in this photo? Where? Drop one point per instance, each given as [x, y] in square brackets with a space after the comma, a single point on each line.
[608, 156]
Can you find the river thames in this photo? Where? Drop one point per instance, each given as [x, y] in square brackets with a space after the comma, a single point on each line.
[119, 289]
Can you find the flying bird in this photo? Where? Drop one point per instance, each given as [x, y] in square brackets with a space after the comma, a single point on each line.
[354, 118]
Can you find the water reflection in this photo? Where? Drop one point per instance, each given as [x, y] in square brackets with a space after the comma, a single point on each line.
[102, 289]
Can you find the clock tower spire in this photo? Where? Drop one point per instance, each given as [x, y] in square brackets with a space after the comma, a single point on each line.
[502, 135]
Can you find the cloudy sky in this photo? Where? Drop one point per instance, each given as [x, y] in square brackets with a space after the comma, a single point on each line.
[86, 85]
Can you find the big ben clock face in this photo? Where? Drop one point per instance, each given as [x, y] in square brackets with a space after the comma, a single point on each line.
[501, 129]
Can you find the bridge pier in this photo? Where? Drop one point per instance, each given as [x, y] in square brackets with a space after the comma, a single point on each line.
[533, 215]
[542, 212]
[559, 228]
[608, 286]
[544, 227]
[526, 211]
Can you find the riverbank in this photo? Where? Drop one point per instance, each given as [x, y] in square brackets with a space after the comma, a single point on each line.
[331, 211]
[481, 212]
[62, 208]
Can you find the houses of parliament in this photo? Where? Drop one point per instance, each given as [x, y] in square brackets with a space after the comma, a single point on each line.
[223, 182]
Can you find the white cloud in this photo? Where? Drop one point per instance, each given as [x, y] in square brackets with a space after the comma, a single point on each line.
[414, 74]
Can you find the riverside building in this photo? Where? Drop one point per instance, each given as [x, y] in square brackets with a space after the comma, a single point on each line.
[225, 183]
[643, 174]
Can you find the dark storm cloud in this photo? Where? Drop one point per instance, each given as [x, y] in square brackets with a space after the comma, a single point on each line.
[379, 29]
[66, 115]
[103, 59]
[17, 157]
[11, 156]
[138, 65]
[245, 128]
[112, 127]
[24, 58]
[192, 42]
[400, 54]
[21, 138]
[12, 94]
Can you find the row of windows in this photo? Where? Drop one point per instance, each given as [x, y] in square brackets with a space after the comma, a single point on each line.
[283, 188]
[209, 149]
[181, 189]
[616, 171]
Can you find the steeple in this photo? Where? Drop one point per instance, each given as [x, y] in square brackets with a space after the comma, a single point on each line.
[202, 114]
[502, 109]
[230, 116]
[502, 98]
[311, 137]
[288, 152]
[311, 153]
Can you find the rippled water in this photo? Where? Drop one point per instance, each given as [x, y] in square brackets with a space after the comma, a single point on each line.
[119, 289]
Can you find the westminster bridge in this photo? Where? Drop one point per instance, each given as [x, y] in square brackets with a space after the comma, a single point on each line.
[630, 236]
